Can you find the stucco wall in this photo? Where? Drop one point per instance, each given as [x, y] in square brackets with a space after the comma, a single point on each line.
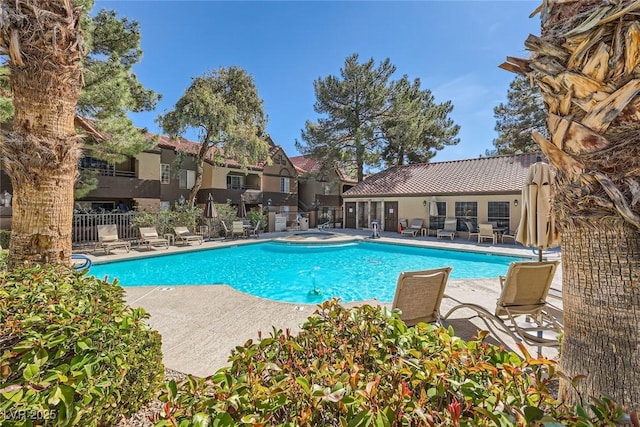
[148, 165]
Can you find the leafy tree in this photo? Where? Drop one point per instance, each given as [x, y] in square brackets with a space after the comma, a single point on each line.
[416, 127]
[369, 119]
[354, 104]
[226, 111]
[523, 113]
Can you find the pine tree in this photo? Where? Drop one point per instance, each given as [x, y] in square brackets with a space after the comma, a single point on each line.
[369, 119]
[523, 113]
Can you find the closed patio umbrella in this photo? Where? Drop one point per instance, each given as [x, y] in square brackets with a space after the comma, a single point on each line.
[210, 208]
[433, 207]
[242, 208]
[537, 224]
[210, 212]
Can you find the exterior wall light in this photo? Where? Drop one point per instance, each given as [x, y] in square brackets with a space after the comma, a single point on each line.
[515, 202]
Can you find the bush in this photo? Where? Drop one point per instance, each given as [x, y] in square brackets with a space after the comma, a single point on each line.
[364, 367]
[71, 351]
[255, 217]
[165, 220]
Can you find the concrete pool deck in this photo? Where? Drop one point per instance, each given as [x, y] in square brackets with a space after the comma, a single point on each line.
[200, 325]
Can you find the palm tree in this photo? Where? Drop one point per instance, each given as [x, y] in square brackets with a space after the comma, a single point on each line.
[44, 44]
[586, 64]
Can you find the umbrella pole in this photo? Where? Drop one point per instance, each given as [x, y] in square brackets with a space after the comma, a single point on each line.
[539, 254]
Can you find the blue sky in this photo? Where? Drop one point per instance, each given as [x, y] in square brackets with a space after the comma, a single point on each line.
[454, 47]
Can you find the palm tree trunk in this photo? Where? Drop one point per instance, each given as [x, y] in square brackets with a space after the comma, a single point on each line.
[586, 65]
[42, 148]
[601, 294]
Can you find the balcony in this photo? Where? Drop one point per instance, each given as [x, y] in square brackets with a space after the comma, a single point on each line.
[122, 184]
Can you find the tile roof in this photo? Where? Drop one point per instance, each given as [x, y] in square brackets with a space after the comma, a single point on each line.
[499, 174]
[214, 155]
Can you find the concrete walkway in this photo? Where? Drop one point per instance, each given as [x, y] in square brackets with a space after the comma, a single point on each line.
[200, 325]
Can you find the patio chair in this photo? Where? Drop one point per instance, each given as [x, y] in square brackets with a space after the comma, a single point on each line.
[419, 294]
[414, 228]
[473, 231]
[449, 230]
[227, 232]
[508, 235]
[108, 239]
[524, 294]
[149, 236]
[485, 231]
[253, 232]
[237, 229]
[185, 236]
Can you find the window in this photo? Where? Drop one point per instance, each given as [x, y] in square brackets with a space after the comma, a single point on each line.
[498, 212]
[235, 182]
[165, 173]
[187, 179]
[284, 184]
[467, 211]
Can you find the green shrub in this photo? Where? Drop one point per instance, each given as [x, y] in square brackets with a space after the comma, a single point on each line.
[165, 220]
[71, 351]
[5, 238]
[255, 216]
[364, 367]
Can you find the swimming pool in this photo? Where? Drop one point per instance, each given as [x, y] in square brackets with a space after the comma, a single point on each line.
[302, 273]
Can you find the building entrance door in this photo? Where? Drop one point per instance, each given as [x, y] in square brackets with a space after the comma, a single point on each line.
[350, 215]
[390, 216]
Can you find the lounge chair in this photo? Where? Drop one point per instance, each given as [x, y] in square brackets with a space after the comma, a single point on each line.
[185, 236]
[485, 231]
[524, 293]
[108, 239]
[149, 236]
[419, 294]
[414, 228]
[473, 231]
[449, 230]
[237, 229]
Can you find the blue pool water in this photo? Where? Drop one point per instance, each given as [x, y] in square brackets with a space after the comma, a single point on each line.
[302, 273]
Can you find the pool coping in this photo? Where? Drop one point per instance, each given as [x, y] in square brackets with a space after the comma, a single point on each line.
[140, 251]
[200, 325]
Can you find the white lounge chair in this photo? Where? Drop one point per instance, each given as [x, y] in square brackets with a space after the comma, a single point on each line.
[185, 236]
[108, 239]
[414, 228]
[149, 236]
[449, 230]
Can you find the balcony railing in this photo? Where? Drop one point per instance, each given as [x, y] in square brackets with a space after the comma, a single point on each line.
[242, 187]
[110, 171]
